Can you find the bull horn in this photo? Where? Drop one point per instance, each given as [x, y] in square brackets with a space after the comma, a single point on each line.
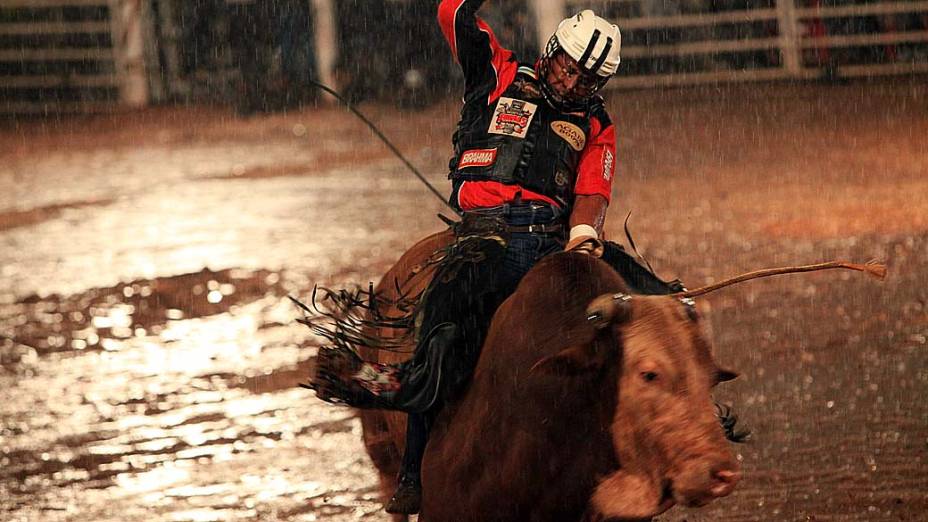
[607, 308]
[873, 268]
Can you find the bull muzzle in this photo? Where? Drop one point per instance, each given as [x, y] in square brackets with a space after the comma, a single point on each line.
[701, 483]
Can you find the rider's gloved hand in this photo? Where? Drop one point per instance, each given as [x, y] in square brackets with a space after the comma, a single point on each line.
[583, 239]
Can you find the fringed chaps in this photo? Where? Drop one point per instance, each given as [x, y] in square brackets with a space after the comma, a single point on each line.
[448, 321]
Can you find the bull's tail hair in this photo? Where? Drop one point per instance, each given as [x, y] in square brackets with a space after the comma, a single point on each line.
[351, 318]
[729, 421]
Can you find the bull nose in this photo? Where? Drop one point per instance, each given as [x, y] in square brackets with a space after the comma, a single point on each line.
[725, 480]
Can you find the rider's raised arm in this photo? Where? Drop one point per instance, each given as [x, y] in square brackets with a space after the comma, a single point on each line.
[484, 61]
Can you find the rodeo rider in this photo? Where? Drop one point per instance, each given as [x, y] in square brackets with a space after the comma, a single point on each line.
[532, 172]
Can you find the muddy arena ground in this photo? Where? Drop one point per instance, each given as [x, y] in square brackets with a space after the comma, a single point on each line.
[150, 359]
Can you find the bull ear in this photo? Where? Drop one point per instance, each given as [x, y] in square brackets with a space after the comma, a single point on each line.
[605, 309]
[568, 362]
[723, 375]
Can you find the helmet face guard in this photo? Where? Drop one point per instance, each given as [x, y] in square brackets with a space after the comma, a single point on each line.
[588, 84]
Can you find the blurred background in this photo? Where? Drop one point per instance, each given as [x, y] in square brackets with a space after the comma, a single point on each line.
[75, 56]
[168, 176]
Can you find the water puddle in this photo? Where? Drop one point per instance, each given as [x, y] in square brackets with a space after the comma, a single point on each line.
[104, 318]
[177, 394]
[21, 218]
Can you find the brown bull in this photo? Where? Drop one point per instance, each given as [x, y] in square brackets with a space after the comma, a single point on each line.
[573, 412]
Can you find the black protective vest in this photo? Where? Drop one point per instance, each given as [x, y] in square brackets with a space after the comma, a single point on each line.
[520, 139]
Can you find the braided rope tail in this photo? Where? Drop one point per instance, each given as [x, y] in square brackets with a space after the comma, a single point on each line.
[872, 268]
[386, 141]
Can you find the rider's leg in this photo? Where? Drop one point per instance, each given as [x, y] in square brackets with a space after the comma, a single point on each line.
[459, 292]
[451, 349]
[469, 299]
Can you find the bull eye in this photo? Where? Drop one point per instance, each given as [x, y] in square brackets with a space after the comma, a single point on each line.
[649, 376]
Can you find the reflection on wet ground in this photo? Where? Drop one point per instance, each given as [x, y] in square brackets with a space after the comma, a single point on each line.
[21, 218]
[164, 396]
[102, 317]
[148, 357]
[149, 360]
[135, 389]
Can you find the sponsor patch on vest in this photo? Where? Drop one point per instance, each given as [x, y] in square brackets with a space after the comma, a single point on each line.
[573, 135]
[477, 158]
[608, 165]
[512, 117]
[560, 178]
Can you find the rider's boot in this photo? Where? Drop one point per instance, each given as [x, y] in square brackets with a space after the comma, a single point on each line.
[407, 499]
[338, 375]
[408, 496]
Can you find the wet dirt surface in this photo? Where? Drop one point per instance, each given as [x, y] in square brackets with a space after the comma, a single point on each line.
[149, 359]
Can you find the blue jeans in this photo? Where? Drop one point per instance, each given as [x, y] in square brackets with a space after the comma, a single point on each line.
[524, 249]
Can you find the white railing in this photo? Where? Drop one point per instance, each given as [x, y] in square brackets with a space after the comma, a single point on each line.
[42, 70]
[792, 48]
[779, 39]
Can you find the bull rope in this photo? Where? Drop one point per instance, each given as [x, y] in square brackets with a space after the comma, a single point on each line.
[386, 141]
[872, 268]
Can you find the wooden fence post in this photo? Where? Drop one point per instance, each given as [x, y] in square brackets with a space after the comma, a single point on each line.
[548, 13]
[326, 31]
[126, 19]
[175, 83]
[789, 37]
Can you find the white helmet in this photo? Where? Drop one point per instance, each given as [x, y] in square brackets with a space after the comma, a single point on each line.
[592, 41]
[594, 44]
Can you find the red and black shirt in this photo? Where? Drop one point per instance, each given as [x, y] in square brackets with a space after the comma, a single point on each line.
[510, 142]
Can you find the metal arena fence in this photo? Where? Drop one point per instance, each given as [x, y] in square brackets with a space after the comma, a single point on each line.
[89, 55]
